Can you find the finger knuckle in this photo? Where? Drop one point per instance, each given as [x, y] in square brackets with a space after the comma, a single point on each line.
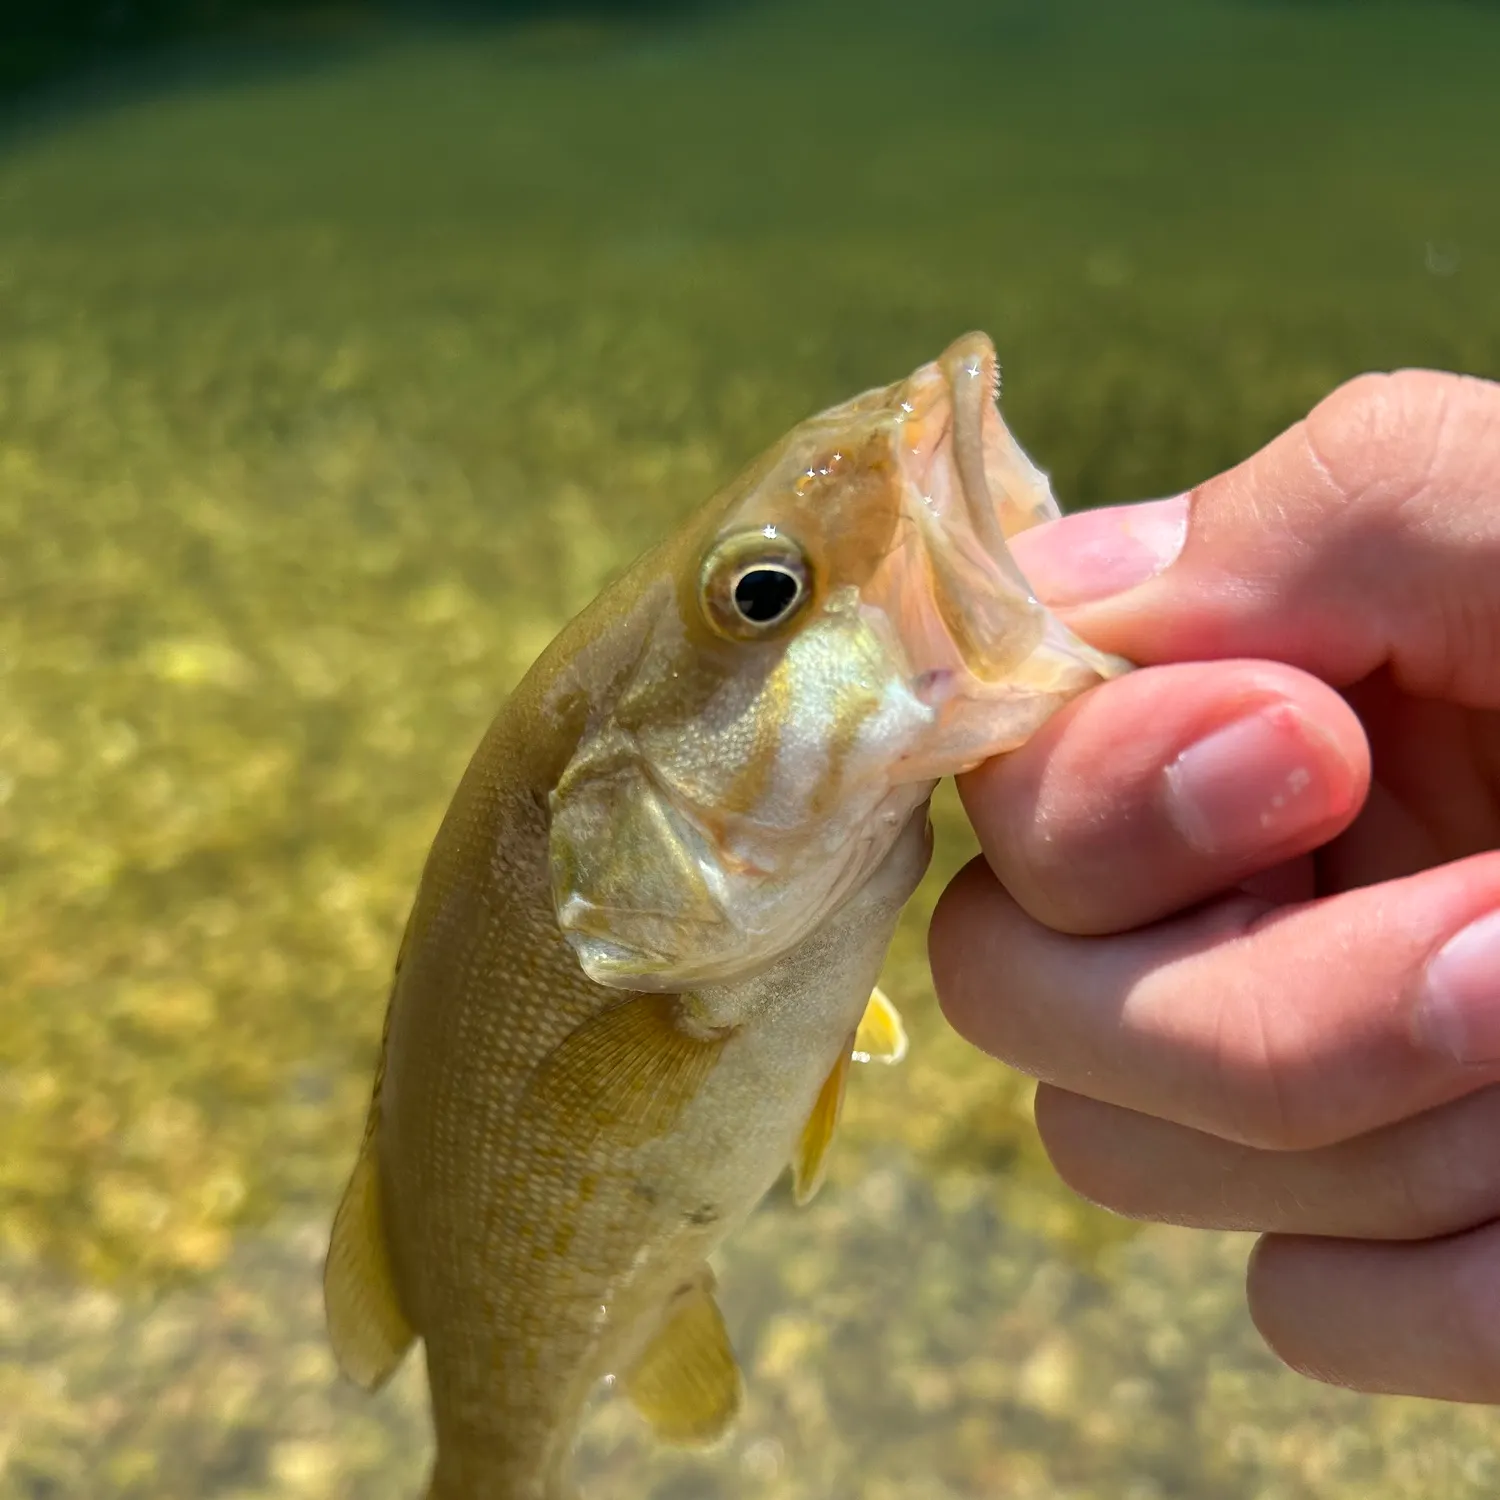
[1380, 436]
[1408, 459]
[1261, 1101]
[1272, 1060]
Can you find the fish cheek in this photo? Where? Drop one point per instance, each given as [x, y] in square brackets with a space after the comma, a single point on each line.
[630, 877]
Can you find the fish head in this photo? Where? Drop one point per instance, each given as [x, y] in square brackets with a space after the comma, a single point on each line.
[838, 629]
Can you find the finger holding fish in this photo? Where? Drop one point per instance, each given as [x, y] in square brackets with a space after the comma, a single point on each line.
[1317, 1060]
[1169, 786]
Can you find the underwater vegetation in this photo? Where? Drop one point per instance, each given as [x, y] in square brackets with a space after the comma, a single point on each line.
[329, 390]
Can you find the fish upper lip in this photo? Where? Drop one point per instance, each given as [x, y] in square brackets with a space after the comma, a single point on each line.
[956, 391]
[969, 371]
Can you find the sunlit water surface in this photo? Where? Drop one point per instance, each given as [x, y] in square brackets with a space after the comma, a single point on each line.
[333, 377]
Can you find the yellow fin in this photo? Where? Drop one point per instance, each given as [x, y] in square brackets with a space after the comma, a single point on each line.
[628, 1072]
[686, 1383]
[366, 1326]
[811, 1160]
[881, 1037]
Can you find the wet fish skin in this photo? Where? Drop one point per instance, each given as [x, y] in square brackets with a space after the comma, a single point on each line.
[652, 922]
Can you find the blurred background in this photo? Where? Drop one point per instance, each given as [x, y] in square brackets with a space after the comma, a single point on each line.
[344, 351]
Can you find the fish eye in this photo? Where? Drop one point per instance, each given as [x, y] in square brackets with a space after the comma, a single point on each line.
[754, 585]
[763, 595]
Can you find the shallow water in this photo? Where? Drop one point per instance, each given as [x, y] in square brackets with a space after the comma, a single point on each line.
[333, 377]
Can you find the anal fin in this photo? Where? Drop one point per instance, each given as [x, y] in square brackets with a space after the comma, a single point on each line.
[366, 1326]
[686, 1383]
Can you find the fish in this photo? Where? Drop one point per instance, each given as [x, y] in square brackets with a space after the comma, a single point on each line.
[645, 945]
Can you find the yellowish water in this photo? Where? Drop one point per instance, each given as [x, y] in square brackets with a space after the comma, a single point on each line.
[332, 381]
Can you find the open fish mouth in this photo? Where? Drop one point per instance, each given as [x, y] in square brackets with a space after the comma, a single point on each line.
[989, 658]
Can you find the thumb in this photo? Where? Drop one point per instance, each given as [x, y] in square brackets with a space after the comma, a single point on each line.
[1367, 535]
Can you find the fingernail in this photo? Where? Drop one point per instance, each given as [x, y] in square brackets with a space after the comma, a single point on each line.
[1253, 784]
[1096, 553]
[1459, 1012]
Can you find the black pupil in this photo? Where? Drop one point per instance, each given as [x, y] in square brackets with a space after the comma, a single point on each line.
[765, 594]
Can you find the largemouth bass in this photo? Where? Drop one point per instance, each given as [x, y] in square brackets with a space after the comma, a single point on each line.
[647, 938]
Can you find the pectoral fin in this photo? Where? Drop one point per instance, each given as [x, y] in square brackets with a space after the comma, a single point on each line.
[686, 1383]
[881, 1037]
[627, 1072]
[811, 1160]
[366, 1326]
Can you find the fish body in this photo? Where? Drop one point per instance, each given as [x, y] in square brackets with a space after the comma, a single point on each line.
[646, 941]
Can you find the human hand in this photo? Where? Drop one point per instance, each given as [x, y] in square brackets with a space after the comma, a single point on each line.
[1260, 985]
